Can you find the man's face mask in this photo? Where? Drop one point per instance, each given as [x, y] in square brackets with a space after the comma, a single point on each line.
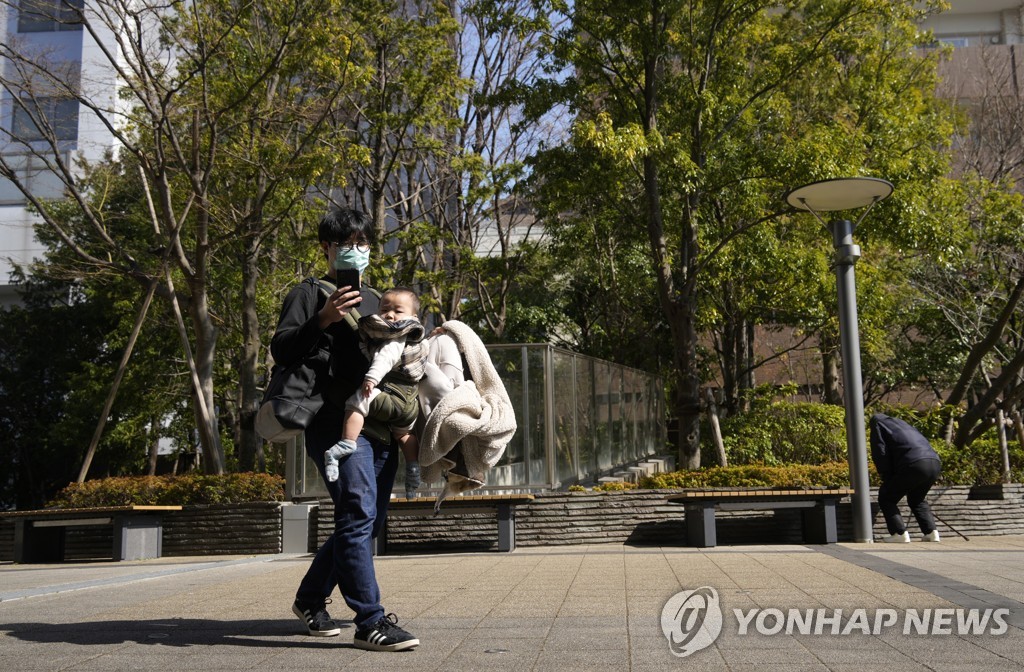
[352, 256]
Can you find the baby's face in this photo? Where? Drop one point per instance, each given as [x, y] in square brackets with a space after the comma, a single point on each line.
[396, 307]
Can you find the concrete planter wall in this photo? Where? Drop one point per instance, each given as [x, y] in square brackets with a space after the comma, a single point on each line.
[223, 529]
[631, 516]
[644, 517]
[202, 529]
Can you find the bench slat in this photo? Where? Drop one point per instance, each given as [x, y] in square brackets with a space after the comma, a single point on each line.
[57, 513]
[426, 504]
[760, 494]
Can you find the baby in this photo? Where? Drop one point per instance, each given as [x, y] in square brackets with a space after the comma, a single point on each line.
[392, 341]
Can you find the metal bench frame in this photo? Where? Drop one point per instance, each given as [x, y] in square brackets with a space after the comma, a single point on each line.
[503, 505]
[39, 534]
[818, 505]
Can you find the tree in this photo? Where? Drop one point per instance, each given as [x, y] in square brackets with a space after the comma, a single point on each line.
[447, 136]
[191, 93]
[57, 355]
[990, 153]
[708, 113]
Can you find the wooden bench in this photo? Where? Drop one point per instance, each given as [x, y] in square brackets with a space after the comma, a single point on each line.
[818, 504]
[503, 505]
[39, 534]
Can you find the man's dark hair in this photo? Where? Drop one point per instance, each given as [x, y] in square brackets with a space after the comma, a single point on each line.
[339, 225]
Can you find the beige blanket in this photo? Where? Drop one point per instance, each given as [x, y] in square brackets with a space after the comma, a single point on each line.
[468, 428]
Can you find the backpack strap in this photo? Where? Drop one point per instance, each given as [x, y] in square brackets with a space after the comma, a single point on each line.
[327, 288]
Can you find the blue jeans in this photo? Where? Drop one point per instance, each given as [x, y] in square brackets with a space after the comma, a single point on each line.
[360, 497]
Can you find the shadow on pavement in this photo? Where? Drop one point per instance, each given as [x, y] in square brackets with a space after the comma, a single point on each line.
[183, 632]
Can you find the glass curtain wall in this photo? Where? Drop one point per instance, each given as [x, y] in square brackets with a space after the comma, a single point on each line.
[579, 418]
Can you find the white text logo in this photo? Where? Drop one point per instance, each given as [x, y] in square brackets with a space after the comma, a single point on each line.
[861, 621]
[691, 620]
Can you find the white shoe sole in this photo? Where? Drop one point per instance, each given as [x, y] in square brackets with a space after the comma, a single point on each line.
[401, 646]
[333, 632]
[896, 540]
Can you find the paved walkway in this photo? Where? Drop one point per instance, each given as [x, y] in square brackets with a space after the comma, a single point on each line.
[553, 608]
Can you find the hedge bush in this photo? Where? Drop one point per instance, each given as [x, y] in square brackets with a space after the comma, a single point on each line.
[167, 490]
[781, 433]
[980, 463]
[784, 433]
[831, 474]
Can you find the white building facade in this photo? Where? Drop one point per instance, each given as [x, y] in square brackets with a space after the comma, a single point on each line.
[51, 32]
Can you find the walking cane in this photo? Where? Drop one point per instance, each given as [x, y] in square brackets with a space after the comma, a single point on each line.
[938, 518]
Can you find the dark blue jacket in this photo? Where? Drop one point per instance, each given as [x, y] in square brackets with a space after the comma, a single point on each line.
[895, 444]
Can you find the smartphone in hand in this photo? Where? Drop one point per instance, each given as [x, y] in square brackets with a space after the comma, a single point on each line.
[347, 277]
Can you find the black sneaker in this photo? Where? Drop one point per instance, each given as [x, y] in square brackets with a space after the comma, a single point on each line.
[316, 618]
[385, 635]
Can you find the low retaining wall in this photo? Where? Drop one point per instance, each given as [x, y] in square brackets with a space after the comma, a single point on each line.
[643, 517]
[640, 517]
[202, 529]
[223, 529]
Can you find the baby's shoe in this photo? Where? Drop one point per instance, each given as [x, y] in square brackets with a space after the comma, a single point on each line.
[412, 479]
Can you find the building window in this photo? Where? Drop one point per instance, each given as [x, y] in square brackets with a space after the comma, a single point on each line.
[48, 16]
[34, 175]
[61, 114]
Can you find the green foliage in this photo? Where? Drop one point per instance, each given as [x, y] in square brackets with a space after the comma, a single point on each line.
[830, 474]
[58, 355]
[687, 165]
[980, 463]
[614, 487]
[171, 490]
[785, 432]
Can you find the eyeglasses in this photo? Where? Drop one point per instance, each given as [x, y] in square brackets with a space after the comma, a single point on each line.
[348, 247]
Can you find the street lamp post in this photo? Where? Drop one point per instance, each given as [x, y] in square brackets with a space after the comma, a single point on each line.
[830, 196]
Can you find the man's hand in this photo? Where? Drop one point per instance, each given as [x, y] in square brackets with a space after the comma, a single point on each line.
[337, 306]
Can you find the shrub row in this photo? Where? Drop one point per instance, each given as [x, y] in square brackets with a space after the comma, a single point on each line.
[782, 433]
[831, 474]
[166, 490]
[980, 463]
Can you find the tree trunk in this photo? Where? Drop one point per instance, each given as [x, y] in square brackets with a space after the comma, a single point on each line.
[1004, 449]
[206, 345]
[978, 418]
[830, 392]
[744, 362]
[730, 367]
[201, 372]
[118, 376]
[687, 398]
[250, 446]
[716, 430]
[983, 347]
[154, 447]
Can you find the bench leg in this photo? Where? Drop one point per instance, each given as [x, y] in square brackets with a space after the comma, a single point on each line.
[506, 527]
[820, 523]
[137, 537]
[700, 525]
